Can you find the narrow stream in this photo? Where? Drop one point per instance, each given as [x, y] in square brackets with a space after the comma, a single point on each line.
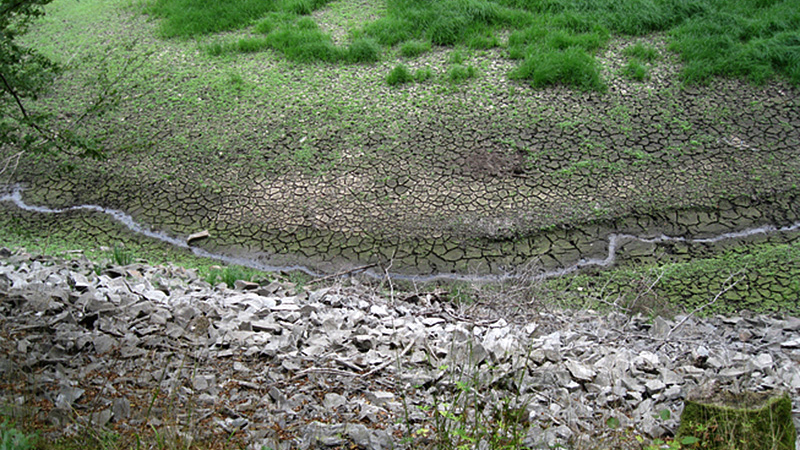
[14, 195]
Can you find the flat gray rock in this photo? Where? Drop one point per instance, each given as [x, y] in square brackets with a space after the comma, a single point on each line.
[579, 371]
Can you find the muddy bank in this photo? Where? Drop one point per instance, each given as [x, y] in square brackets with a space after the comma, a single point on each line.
[675, 235]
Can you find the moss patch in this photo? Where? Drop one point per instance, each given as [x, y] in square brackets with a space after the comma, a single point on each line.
[748, 421]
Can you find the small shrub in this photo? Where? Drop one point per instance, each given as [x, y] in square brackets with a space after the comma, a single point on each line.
[400, 74]
[636, 71]
[413, 49]
[13, 439]
[364, 50]
[459, 73]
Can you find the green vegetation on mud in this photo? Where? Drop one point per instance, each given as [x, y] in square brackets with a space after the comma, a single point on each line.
[556, 40]
[761, 277]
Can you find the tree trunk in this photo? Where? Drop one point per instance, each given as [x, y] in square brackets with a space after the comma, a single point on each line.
[748, 421]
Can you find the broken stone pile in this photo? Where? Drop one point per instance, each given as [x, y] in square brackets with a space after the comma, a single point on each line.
[141, 347]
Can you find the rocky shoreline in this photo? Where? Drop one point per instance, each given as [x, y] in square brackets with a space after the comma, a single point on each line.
[353, 365]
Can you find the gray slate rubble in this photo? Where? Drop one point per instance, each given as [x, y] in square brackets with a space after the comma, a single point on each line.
[288, 368]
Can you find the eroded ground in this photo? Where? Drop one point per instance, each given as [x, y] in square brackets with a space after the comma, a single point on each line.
[326, 164]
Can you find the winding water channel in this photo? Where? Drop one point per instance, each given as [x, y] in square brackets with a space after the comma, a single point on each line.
[613, 243]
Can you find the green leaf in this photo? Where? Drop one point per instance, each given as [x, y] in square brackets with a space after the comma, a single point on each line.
[612, 423]
[664, 414]
[689, 440]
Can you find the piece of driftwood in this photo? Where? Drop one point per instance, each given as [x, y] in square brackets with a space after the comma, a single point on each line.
[200, 235]
[720, 420]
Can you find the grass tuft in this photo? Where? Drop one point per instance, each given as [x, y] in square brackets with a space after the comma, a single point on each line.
[571, 67]
[459, 73]
[399, 75]
[412, 49]
[300, 42]
[188, 18]
[229, 275]
[636, 71]
[121, 256]
[364, 50]
[641, 52]
[423, 74]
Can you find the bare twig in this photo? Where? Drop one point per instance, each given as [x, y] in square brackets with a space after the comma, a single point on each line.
[714, 300]
[642, 294]
[8, 161]
[386, 364]
[389, 276]
[343, 273]
[323, 370]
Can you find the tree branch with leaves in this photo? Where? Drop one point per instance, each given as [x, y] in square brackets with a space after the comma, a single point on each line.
[25, 74]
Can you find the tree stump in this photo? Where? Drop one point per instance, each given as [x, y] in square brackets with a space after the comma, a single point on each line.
[729, 421]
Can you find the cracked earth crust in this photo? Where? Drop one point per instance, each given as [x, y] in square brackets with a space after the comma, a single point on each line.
[340, 169]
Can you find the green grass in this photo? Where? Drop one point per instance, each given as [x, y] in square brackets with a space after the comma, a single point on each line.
[121, 256]
[364, 50]
[188, 18]
[299, 39]
[636, 71]
[423, 74]
[414, 48]
[446, 22]
[571, 67]
[230, 275]
[304, 42]
[688, 285]
[13, 439]
[750, 39]
[399, 75]
[641, 52]
[459, 73]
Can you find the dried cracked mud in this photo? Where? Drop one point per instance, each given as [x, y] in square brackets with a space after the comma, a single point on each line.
[481, 177]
